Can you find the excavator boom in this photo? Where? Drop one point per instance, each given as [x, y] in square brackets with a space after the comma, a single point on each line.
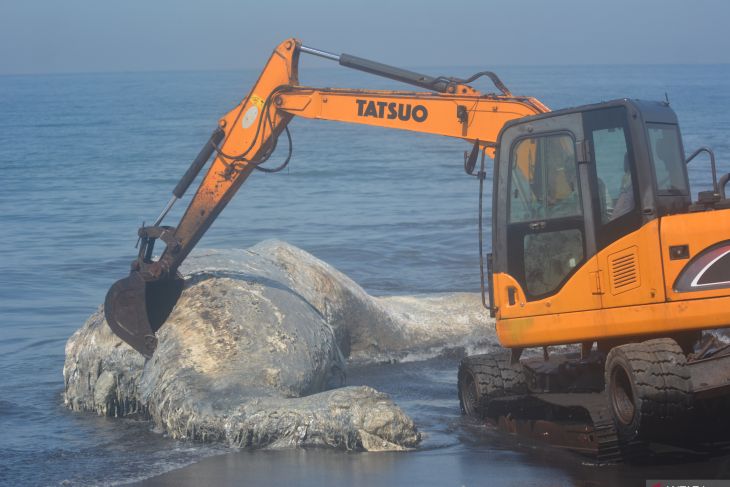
[138, 305]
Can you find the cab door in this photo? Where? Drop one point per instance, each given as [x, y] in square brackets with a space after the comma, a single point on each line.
[544, 237]
[629, 254]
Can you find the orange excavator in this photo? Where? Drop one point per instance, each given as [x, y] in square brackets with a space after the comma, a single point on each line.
[596, 243]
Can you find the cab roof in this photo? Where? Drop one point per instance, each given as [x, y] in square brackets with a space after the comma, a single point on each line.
[650, 111]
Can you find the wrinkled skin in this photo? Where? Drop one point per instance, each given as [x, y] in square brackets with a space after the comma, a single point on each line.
[252, 351]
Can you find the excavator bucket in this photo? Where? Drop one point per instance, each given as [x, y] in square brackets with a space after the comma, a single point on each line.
[135, 309]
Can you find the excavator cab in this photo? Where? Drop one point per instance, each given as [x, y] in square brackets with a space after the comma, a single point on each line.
[578, 197]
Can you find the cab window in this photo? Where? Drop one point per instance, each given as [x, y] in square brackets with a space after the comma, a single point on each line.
[544, 179]
[615, 185]
[615, 192]
[668, 161]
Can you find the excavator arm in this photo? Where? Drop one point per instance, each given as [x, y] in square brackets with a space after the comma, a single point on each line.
[138, 305]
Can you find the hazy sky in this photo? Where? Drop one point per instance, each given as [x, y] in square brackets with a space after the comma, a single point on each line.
[45, 36]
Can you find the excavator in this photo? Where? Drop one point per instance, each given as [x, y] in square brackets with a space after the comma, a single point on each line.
[603, 268]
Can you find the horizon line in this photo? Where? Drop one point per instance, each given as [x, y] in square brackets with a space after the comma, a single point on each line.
[317, 68]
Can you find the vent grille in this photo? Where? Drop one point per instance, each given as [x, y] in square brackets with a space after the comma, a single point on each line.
[624, 270]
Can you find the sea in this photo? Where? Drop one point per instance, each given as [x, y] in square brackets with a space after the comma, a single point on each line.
[87, 158]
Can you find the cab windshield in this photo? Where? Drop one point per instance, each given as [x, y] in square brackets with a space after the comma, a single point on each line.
[668, 161]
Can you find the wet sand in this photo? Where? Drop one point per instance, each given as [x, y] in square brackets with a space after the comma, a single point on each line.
[465, 465]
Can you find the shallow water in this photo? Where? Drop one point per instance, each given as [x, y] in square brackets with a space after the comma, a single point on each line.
[87, 158]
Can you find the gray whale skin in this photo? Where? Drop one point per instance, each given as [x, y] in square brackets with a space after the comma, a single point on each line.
[254, 354]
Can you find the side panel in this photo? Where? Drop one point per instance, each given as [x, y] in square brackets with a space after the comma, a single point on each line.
[660, 318]
[631, 269]
[696, 231]
[581, 292]
[629, 272]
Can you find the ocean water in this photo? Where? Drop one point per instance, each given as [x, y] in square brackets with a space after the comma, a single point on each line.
[86, 158]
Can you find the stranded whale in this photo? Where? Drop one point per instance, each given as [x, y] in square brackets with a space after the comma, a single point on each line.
[254, 354]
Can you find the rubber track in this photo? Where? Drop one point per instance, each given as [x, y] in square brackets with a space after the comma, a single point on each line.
[609, 446]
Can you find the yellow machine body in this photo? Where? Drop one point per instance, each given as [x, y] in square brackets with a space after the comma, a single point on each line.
[599, 302]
